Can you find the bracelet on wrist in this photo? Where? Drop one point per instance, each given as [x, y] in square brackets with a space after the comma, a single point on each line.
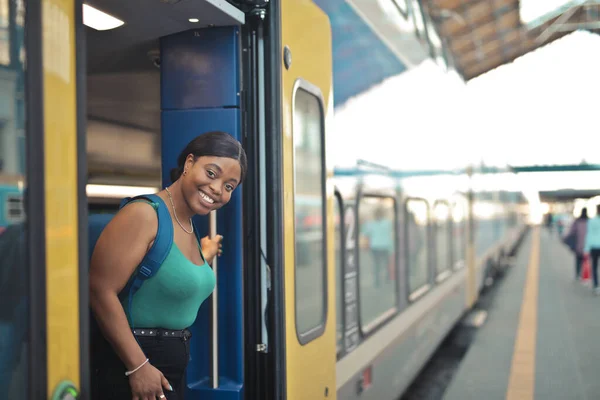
[127, 373]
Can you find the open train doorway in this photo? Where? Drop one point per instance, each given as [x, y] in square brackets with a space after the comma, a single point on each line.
[158, 74]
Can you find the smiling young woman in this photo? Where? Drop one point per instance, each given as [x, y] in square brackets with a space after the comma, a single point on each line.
[208, 170]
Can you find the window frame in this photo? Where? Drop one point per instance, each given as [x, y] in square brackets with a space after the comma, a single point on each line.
[337, 199]
[414, 295]
[318, 330]
[352, 333]
[386, 316]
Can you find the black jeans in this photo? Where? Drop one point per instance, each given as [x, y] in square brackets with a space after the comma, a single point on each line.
[170, 355]
[578, 264]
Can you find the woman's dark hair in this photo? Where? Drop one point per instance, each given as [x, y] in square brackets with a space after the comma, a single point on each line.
[212, 144]
[584, 214]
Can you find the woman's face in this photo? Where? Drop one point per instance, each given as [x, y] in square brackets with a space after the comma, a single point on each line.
[209, 182]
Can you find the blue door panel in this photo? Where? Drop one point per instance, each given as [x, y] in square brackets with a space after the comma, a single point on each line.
[199, 93]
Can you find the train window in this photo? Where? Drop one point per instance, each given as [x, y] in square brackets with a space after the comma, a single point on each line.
[459, 233]
[339, 292]
[14, 270]
[443, 232]
[377, 260]
[309, 186]
[417, 220]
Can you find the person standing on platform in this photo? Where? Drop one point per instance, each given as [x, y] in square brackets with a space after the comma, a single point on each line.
[592, 246]
[549, 220]
[575, 239]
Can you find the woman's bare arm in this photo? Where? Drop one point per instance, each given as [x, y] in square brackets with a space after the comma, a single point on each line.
[119, 250]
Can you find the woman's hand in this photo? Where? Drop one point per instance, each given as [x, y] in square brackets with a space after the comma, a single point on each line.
[211, 247]
[148, 383]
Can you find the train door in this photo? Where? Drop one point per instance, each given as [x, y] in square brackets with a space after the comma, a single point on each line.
[42, 348]
[306, 71]
[182, 80]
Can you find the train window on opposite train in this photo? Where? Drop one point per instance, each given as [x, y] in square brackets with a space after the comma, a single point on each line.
[417, 243]
[309, 195]
[377, 260]
[443, 232]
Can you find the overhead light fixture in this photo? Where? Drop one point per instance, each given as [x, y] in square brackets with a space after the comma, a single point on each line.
[117, 191]
[194, 20]
[99, 20]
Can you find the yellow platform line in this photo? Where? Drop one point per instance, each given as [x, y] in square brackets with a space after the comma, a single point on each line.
[521, 382]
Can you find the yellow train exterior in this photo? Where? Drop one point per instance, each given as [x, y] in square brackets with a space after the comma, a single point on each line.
[40, 154]
[311, 68]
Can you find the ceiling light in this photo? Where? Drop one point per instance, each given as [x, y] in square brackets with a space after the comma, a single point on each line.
[99, 20]
[194, 20]
[116, 191]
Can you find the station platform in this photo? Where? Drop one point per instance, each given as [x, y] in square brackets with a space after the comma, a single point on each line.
[541, 339]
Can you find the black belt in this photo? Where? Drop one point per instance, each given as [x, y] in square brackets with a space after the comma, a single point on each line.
[185, 333]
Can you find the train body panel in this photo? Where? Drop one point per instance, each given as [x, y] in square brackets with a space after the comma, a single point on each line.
[307, 97]
[393, 356]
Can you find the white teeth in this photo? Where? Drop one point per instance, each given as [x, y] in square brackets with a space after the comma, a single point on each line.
[205, 197]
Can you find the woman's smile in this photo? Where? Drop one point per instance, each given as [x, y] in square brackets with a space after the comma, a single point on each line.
[207, 200]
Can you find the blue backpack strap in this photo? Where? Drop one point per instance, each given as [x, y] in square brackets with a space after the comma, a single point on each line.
[158, 252]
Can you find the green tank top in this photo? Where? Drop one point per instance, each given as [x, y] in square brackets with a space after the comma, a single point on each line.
[172, 297]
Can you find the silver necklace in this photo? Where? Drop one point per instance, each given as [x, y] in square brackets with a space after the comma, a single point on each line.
[175, 213]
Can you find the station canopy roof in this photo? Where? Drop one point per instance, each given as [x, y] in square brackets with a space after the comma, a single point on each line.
[484, 34]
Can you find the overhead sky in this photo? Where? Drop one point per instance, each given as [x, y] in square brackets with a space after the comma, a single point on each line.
[540, 109]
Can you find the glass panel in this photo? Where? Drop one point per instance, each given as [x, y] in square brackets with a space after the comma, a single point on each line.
[14, 281]
[459, 233]
[377, 260]
[339, 294]
[308, 206]
[416, 220]
[442, 237]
